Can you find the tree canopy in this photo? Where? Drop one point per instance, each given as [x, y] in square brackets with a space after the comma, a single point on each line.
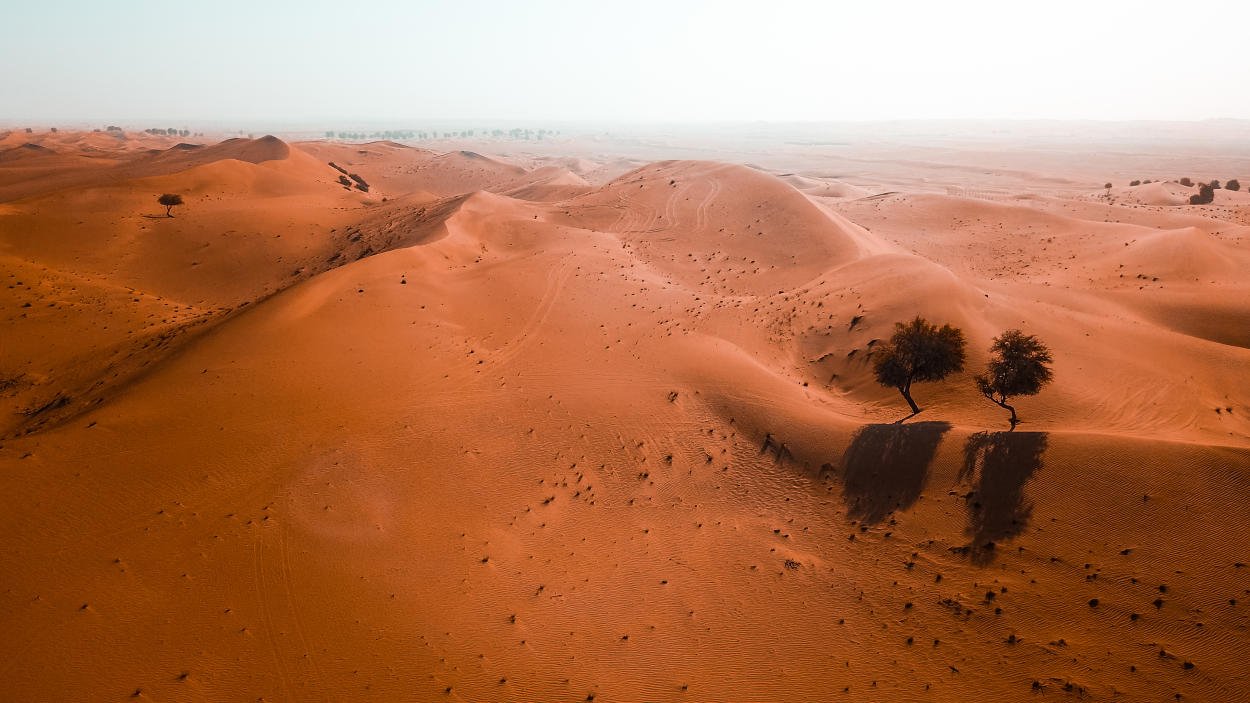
[1019, 365]
[1205, 195]
[918, 351]
[169, 200]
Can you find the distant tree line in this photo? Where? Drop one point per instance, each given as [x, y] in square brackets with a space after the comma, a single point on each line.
[1206, 191]
[170, 132]
[516, 133]
[1205, 194]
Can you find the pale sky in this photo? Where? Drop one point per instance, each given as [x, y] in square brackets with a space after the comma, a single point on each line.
[645, 60]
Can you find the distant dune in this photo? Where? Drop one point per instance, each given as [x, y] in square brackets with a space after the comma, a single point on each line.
[525, 427]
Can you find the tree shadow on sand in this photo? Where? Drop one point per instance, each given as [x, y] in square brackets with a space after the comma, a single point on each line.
[886, 466]
[1002, 463]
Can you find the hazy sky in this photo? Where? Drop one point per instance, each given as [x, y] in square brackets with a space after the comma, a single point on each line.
[644, 60]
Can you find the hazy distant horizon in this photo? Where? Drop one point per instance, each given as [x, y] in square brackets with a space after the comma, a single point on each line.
[646, 62]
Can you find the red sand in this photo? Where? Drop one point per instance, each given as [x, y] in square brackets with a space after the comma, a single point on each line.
[510, 428]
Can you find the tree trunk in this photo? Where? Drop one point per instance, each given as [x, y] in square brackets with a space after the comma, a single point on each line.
[1002, 403]
[907, 396]
[169, 211]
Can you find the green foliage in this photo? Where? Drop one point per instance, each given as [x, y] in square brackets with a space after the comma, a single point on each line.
[1233, 184]
[918, 351]
[1019, 365]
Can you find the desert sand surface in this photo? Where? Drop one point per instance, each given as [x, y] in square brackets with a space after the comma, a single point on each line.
[595, 419]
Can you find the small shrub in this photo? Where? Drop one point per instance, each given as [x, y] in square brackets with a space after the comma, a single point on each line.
[1205, 195]
[1233, 184]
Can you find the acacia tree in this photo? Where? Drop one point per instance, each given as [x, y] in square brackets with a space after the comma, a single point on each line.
[169, 200]
[1019, 365]
[918, 351]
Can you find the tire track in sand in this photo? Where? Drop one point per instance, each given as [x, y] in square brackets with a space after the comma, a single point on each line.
[285, 564]
[701, 211]
[265, 616]
[521, 340]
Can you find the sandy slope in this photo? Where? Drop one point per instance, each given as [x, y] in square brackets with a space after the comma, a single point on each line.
[508, 435]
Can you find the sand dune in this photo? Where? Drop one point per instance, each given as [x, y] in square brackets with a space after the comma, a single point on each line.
[827, 187]
[497, 432]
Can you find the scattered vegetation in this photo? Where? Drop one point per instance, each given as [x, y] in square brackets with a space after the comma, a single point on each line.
[409, 134]
[170, 132]
[1019, 365]
[918, 351]
[1206, 191]
[170, 201]
[1204, 196]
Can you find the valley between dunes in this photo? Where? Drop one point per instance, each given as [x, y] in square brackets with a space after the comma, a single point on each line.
[601, 427]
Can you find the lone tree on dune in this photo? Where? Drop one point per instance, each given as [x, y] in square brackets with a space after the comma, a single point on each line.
[918, 351]
[169, 200]
[1019, 365]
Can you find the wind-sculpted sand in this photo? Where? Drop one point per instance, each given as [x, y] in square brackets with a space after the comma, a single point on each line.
[526, 428]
